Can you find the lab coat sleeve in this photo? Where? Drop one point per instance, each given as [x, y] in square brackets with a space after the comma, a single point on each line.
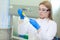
[51, 32]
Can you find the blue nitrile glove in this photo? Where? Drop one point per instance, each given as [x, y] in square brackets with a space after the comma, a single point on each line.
[34, 23]
[20, 12]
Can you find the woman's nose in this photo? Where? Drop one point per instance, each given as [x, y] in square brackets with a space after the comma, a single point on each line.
[40, 12]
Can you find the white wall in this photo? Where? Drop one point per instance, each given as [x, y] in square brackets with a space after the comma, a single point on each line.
[56, 14]
[26, 2]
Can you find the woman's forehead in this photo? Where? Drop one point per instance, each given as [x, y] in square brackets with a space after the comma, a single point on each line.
[43, 6]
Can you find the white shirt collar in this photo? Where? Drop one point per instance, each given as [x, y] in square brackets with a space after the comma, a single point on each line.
[43, 20]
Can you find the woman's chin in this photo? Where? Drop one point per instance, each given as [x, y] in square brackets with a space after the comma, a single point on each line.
[42, 17]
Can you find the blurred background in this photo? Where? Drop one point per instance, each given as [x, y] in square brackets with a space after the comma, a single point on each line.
[9, 17]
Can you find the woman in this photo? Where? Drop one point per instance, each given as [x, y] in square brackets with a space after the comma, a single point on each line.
[48, 26]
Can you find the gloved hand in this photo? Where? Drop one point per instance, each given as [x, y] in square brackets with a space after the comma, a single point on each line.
[35, 24]
[20, 12]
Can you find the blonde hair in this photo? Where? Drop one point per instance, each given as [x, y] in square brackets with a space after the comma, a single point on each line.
[49, 6]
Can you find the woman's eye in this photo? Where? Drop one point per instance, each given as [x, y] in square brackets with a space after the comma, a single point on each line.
[43, 10]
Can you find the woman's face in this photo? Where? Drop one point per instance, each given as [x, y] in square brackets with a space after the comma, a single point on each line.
[43, 11]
